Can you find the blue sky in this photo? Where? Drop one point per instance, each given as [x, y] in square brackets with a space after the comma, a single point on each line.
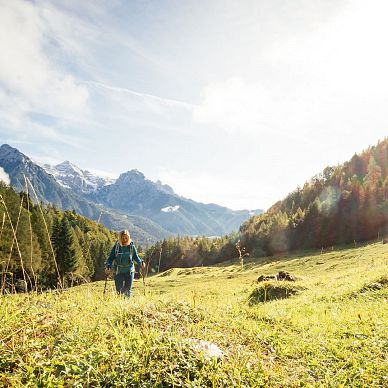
[235, 103]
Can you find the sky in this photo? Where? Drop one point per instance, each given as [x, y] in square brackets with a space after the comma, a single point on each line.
[229, 102]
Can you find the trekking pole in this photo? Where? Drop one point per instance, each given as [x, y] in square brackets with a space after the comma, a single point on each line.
[143, 274]
[160, 258]
[106, 281]
[144, 270]
[147, 265]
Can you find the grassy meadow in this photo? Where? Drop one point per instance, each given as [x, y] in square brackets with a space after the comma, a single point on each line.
[329, 328]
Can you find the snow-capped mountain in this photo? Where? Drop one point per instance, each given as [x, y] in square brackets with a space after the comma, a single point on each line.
[72, 177]
[133, 193]
[16, 165]
[153, 209]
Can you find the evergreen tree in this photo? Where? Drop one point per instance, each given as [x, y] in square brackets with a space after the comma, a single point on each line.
[63, 244]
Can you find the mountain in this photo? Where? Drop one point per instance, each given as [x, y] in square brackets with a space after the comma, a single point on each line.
[159, 203]
[48, 190]
[79, 181]
[153, 200]
[153, 209]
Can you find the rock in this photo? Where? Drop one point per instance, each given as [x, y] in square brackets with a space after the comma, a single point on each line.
[263, 278]
[282, 275]
[208, 349]
[285, 276]
[375, 286]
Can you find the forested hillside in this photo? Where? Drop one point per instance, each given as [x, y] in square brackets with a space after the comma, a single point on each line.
[344, 204]
[186, 251]
[79, 245]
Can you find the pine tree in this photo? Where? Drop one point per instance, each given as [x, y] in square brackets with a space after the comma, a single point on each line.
[63, 243]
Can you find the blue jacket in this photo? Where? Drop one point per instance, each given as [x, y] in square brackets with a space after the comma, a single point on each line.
[122, 258]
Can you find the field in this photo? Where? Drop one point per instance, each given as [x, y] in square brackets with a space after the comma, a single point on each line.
[329, 328]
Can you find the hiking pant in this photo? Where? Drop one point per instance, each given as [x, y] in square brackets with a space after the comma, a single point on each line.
[123, 283]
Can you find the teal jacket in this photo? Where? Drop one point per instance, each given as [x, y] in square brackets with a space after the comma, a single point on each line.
[121, 259]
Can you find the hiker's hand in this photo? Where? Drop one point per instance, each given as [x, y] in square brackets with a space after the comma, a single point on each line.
[108, 270]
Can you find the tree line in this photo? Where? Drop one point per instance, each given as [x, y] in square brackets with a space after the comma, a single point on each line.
[43, 247]
[343, 204]
[187, 251]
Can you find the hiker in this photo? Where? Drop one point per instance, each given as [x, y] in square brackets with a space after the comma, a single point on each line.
[121, 261]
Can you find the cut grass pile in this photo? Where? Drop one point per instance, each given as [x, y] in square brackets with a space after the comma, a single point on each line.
[267, 291]
[330, 330]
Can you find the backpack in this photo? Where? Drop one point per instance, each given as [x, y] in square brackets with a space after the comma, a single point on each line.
[121, 265]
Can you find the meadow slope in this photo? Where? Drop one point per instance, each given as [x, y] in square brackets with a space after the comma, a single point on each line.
[331, 331]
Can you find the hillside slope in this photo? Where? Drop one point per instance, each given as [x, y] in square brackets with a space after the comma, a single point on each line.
[204, 326]
[343, 204]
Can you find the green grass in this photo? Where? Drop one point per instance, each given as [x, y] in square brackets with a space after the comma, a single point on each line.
[332, 332]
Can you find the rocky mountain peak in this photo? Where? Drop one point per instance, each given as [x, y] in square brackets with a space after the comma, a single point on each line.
[71, 176]
[166, 188]
[151, 204]
[130, 177]
[68, 164]
[137, 178]
[11, 154]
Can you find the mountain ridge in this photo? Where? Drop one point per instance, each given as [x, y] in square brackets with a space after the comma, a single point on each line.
[128, 201]
[49, 191]
[71, 176]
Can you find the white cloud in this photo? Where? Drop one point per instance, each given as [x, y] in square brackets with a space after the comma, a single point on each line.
[300, 86]
[4, 176]
[232, 105]
[324, 85]
[29, 76]
[237, 105]
[128, 110]
[147, 98]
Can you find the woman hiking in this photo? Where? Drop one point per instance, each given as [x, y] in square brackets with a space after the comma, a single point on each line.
[121, 261]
